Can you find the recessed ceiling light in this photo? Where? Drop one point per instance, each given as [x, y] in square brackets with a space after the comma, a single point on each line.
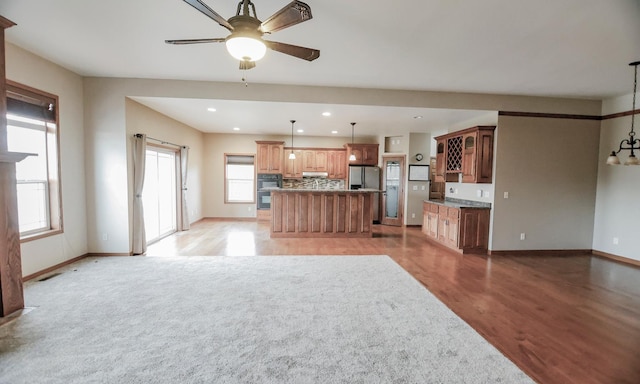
[300, 130]
[211, 109]
[326, 114]
[236, 128]
[334, 132]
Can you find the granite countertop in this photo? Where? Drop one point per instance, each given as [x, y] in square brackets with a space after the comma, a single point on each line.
[364, 190]
[460, 203]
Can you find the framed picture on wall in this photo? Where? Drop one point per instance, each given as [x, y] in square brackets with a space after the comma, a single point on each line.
[418, 172]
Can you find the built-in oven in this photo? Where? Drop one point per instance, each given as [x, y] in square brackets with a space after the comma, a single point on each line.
[265, 183]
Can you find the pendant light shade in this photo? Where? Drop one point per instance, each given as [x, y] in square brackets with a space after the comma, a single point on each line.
[631, 144]
[352, 156]
[292, 156]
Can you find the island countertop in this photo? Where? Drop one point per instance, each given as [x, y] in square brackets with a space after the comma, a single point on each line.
[322, 212]
[459, 203]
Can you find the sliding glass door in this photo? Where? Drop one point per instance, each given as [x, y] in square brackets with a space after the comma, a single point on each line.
[159, 196]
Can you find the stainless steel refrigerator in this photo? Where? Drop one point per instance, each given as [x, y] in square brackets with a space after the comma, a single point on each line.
[367, 177]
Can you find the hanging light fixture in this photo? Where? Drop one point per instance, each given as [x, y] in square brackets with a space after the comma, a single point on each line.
[352, 157]
[632, 143]
[292, 156]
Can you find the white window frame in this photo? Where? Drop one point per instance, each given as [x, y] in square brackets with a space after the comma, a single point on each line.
[51, 129]
[229, 160]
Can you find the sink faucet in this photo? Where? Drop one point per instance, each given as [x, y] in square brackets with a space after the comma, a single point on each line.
[316, 184]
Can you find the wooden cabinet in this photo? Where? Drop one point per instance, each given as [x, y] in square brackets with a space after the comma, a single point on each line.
[314, 160]
[332, 161]
[292, 167]
[468, 152]
[270, 157]
[366, 154]
[337, 164]
[464, 229]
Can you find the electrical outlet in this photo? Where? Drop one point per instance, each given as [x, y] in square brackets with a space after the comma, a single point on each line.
[413, 215]
[615, 241]
[506, 195]
[249, 209]
[423, 187]
[486, 194]
[415, 187]
[522, 236]
[105, 237]
[479, 193]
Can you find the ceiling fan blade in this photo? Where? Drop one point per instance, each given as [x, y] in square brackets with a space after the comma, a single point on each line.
[195, 41]
[202, 7]
[308, 54]
[292, 14]
[246, 64]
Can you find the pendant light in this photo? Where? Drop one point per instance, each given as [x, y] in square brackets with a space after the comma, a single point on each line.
[352, 157]
[632, 143]
[292, 156]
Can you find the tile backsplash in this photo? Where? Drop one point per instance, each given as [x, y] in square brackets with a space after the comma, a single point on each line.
[312, 183]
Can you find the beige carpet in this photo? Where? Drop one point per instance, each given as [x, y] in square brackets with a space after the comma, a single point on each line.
[280, 319]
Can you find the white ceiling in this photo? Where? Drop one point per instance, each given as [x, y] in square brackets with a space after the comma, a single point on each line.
[562, 48]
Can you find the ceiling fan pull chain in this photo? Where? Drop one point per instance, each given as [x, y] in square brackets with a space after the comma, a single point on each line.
[244, 79]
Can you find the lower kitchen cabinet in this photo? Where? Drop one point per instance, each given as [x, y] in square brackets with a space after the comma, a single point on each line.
[463, 229]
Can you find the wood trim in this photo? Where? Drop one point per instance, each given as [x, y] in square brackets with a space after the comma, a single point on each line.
[228, 219]
[314, 149]
[6, 23]
[110, 254]
[619, 259]
[549, 115]
[543, 252]
[620, 114]
[53, 268]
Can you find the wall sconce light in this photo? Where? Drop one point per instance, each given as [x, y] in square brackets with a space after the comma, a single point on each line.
[632, 144]
[352, 157]
[292, 156]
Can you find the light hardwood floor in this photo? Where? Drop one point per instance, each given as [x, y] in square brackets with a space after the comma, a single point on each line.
[561, 319]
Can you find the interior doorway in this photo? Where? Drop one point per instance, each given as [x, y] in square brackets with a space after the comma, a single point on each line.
[393, 185]
[159, 195]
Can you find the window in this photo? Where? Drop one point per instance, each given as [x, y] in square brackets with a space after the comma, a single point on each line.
[32, 128]
[239, 179]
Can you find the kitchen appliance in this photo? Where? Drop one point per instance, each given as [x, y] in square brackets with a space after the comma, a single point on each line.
[367, 177]
[265, 182]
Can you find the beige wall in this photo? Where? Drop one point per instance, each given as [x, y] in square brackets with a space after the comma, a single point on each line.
[38, 73]
[549, 168]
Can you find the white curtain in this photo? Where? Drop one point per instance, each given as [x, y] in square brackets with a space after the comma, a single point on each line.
[139, 155]
[184, 160]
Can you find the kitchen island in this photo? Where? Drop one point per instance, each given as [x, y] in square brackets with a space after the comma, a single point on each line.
[322, 212]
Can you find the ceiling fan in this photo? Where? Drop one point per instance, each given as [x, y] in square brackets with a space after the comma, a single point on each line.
[245, 42]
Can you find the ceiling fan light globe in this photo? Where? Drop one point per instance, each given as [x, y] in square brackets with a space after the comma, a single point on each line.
[246, 48]
[352, 157]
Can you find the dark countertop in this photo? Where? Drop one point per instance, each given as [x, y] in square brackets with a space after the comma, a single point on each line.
[460, 203]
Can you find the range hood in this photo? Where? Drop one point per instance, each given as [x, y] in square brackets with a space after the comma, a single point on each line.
[315, 174]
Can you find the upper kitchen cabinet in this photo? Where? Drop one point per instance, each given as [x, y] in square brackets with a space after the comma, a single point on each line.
[314, 160]
[468, 152]
[337, 164]
[270, 156]
[366, 154]
[292, 167]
